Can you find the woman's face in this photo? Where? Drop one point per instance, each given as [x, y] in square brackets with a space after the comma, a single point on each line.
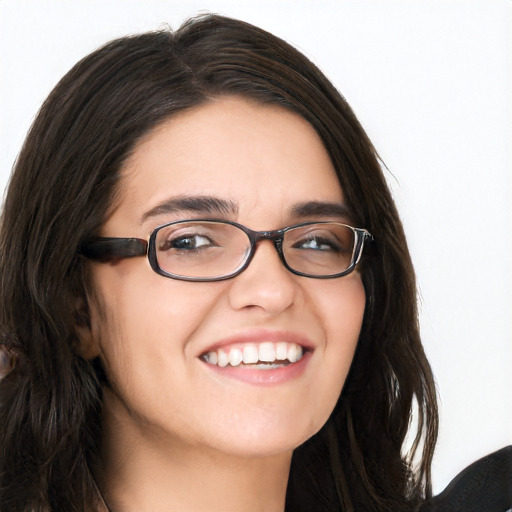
[268, 169]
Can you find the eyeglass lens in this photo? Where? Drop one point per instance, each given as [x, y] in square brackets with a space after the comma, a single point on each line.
[214, 249]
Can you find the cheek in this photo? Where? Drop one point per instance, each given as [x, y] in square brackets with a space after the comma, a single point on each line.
[346, 323]
[142, 320]
[144, 332]
[341, 309]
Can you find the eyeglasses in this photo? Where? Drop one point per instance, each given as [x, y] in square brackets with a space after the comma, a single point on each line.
[213, 250]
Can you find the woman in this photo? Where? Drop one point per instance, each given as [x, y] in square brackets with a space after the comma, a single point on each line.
[243, 365]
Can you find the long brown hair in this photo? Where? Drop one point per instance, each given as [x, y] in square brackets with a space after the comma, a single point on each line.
[64, 180]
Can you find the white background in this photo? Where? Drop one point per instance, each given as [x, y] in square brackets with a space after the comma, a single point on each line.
[431, 81]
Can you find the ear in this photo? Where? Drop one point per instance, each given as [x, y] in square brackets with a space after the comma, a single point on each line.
[88, 340]
[8, 361]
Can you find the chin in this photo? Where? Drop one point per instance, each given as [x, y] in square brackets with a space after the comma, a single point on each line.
[268, 439]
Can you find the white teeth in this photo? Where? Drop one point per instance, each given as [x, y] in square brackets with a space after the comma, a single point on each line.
[222, 358]
[294, 353]
[281, 350]
[235, 356]
[211, 357]
[251, 354]
[267, 352]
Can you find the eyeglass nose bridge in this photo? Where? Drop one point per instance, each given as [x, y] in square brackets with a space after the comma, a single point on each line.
[256, 237]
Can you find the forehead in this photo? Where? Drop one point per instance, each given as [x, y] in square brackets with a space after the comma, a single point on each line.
[262, 158]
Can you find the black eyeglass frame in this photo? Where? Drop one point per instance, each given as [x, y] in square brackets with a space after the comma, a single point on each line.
[110, 249]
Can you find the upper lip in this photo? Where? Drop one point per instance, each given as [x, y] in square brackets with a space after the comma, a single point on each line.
[260, 336]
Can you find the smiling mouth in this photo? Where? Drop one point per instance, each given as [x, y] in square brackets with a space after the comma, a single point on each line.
[266, 355]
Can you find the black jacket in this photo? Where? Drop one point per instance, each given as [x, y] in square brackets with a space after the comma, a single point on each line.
[485, 486]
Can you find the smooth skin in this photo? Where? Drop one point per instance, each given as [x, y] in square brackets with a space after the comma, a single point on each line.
[178, 435]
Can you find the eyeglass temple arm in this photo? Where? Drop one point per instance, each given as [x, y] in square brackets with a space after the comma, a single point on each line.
[364, 241]
[108, 249]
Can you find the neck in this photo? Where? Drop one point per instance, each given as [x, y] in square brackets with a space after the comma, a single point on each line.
[152, 472]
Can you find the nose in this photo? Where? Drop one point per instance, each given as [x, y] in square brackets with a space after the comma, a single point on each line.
[265, 283]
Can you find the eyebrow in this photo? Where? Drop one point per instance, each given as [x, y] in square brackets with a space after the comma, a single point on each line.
[215, 205]
[321, 209]
[196, 204]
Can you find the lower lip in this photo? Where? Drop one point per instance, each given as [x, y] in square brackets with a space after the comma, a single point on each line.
[263, 377]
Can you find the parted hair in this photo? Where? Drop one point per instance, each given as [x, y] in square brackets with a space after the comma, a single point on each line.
[63, 182]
